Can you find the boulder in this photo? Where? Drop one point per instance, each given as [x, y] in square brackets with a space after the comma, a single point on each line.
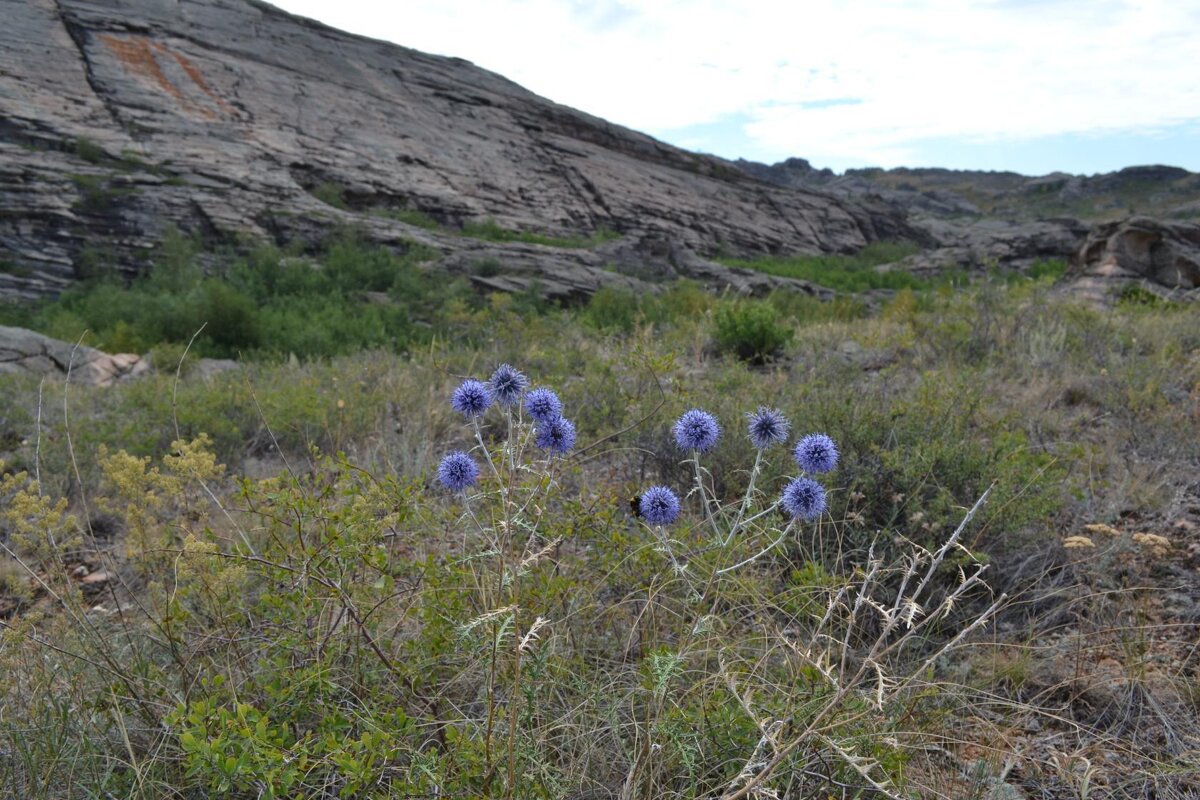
[25, 351]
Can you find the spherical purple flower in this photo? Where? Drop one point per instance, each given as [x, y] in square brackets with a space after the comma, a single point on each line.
[458, 471]
[507, 385]
[543, 405]
[557, 435]
[767, 427]
[658, 505]
[471, 398]
[816, 453]
[697, 430]
[804, 499]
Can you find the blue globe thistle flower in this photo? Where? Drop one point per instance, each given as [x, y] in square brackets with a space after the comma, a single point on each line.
[458, 471]
[767, 427]
[658, 505]
[816, 453]
[804, 499]
[471, 398]
[557, 436]
[697, 430]
[507, 385]
[543, 405]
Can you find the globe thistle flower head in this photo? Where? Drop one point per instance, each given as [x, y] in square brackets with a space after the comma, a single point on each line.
[543, 405]
[658, 505]
[507, 385]
[767, 427]
[697, 430]
[804, 499]
[458, 471]
[816, 453]
[557, 436]
[471, 398]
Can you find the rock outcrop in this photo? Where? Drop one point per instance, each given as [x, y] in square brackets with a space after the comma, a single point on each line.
[234, 120]
[993, 244]
[1162, 257]
[963, 194]
[24, 351]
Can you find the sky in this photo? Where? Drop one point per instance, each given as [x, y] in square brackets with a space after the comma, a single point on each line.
[1032, 86]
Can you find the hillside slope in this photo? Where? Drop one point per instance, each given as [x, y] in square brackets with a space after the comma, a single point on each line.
[232, 119]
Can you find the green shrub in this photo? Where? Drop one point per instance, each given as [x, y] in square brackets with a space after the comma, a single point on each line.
[750, 330]
[89, 151]
[487, 267]
[1134, 295]
[231, 319]
[414, 216]
[331, 194]
[613, 310]
[1049, 268]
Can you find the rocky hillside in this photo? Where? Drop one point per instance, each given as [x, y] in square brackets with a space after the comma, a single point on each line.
[234, 120]
[1135, 226]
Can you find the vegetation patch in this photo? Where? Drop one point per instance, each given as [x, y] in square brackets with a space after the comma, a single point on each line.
[491, 231]
[845, 273]
[266, 303]
[331, 194]
[283, 580]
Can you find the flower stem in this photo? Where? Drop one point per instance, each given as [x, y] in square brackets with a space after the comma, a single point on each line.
[746, 500]
[782, 534]
[708, 512]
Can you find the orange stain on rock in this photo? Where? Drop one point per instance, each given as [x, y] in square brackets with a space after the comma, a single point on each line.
[198, 79]
[136, 53]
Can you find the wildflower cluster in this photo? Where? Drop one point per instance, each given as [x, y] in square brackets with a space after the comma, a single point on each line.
[509, 389]
[697, 431]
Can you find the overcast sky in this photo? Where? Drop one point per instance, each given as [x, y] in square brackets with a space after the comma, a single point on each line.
[1029, 85]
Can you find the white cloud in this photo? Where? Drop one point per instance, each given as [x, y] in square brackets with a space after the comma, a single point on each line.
[978, 70]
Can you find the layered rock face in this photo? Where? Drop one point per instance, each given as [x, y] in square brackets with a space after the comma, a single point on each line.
[232, 119]
[994, 244]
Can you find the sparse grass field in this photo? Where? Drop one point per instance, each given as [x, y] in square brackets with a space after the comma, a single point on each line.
[249, 585]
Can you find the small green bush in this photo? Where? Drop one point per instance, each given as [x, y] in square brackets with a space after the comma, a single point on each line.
[331, 194]
[89, 151]
[1134, 295]
[1049, 268]
[411, 216]
[750, 330]
[613, 310]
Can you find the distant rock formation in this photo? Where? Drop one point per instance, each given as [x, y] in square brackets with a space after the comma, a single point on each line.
[1155, 190]
[234, 120]
[1162, 257]
[992, 244]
